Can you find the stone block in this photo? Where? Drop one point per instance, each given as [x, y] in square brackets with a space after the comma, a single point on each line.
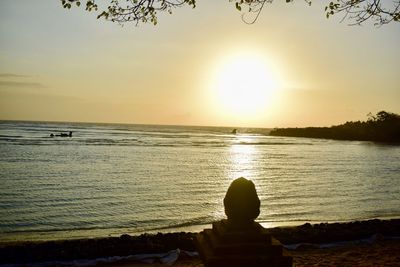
[239, 241]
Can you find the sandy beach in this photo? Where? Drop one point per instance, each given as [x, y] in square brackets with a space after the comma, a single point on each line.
[380, 253]
[360, 243]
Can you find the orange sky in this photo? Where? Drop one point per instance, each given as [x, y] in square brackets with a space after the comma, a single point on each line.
[64, 65]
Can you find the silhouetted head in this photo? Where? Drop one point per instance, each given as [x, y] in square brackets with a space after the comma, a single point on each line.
[242, 205]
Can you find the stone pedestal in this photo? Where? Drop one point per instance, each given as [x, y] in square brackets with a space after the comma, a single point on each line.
[227, 246]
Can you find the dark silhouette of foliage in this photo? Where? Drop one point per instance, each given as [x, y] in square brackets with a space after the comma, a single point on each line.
[357, 11]
[136, 11]
[383, 127]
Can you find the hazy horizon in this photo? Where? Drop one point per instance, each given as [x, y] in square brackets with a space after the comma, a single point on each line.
[172, 125]
[138, 124]
[305, 70]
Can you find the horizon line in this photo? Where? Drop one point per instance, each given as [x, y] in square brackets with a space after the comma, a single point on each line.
[132, 123]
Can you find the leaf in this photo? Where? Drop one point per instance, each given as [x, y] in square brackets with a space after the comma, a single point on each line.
[238, 7]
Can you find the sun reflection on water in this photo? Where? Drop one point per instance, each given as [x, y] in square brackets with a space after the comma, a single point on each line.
[241, 161]
[243, 157]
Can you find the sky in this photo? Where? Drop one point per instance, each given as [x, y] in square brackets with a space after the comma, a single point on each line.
[203, 66]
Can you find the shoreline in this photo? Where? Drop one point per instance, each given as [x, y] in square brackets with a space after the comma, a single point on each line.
[70, 235]
[23, 252]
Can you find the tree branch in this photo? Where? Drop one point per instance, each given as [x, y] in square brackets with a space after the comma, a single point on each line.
[142, 11]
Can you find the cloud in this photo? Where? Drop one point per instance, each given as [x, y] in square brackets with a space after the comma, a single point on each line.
[12, 75]
[14, 84]
[13, 80]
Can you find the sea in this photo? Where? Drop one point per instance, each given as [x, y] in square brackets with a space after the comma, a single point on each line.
[113, 179]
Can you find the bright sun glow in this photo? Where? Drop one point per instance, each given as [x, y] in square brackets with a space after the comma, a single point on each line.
[244, 85]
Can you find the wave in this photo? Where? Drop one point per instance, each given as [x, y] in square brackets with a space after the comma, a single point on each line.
[36, 133]
[100, 181]
[191, 222]
[273, 143]
[138, 141]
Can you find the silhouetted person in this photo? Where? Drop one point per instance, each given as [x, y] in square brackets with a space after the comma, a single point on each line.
[51, 135]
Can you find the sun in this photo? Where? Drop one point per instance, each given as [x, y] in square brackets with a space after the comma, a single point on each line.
[244, 85]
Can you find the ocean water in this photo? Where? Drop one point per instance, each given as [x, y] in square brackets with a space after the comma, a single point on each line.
[109, 179]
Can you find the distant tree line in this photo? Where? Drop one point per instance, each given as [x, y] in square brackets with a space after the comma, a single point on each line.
[382, 127]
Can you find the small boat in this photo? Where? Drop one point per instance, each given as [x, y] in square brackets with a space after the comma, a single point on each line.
[62, 134]
[234, 131]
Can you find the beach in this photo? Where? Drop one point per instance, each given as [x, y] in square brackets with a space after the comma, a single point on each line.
[360, 243]
[381, 253]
